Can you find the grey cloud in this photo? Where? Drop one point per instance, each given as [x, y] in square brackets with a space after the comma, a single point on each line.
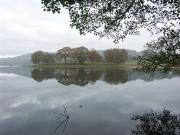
[26, 28]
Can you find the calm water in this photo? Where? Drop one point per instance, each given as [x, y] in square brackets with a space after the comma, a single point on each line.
[98, 102]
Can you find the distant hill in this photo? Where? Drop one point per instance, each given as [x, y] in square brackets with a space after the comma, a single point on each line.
[16, 61]
[24, 60]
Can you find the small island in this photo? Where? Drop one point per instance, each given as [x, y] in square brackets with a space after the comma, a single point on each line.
[82, 57]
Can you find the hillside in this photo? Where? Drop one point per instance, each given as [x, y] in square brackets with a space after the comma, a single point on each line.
[16, 61]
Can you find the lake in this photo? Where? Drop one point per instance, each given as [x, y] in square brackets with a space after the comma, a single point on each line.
[81, 101]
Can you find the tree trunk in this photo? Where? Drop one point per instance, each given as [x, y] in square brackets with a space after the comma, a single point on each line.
[65, 60]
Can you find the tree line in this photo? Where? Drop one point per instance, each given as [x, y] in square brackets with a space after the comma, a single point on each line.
[79, 55]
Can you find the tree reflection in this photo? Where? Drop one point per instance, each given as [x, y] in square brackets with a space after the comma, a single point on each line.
[36, 75]
[81, 76]
[62, 119]
[65, 77]
[41, 74]
[116, 76]
[75, 76]
[157, 123]
[94, 75]
[84, 76]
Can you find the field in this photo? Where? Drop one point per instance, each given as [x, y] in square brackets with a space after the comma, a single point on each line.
[128, 64]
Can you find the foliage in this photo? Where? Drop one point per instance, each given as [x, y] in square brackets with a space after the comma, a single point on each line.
[153, 123]
[64, 53]
[78, 55]
[124, 55]
[42, 57]
[163, 53]
[118, 18]
[47, 58]
[94, 56]
[36, 57]
[116, 56]
[81, 56]
[108, 54]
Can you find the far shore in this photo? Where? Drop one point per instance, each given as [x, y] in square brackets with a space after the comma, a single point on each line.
[129, 64]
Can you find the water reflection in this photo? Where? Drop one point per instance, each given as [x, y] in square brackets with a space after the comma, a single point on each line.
[68, 77]
[40, 75]
[150, 123]
[84, 76]
[62, 119]
[100, 109]
[81, 76]
[116, 76]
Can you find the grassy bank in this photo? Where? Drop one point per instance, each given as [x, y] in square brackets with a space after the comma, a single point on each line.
[128, 64]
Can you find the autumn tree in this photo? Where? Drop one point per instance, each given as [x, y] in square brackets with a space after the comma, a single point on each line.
[124, 55]
[119, 18]
[64, 53]
[116, 56]
[81, 54]
[81, 57]
[108, 55]
[47, 58]
[36, 57]
[93, 56]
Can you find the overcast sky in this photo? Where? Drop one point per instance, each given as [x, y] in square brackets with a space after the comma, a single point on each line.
[25, 28]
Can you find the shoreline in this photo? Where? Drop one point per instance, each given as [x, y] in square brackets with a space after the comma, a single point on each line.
[124, 65]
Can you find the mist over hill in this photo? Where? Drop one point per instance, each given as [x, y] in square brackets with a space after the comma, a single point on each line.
[21, 60]
[24, 60]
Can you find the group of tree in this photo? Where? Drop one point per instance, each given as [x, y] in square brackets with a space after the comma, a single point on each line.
[116, 56]
[79, 55]
[119, 18]
[42, 57]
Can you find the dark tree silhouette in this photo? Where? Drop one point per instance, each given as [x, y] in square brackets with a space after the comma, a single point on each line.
[157, 123]
[36, 57]
[116, 18]
[164, 53]
[62, 122]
